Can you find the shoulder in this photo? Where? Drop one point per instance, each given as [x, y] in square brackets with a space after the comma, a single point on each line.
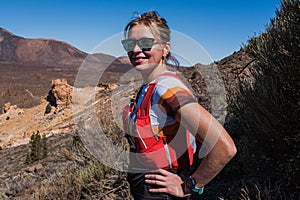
[170, 85]
[171, 81]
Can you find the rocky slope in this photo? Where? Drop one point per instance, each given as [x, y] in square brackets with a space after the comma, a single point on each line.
[18, 124]
[54, 115]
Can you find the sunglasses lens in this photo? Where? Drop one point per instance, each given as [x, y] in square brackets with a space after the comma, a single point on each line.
[128, 44]
[145, 44]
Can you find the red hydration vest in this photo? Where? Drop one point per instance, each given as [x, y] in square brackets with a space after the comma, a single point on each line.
[173, 151]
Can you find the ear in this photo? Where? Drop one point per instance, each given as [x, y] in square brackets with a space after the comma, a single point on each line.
[166, 49]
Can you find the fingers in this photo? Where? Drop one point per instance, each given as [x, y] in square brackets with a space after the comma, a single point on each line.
[163, 178]
[160, 171]
[159, 190]
[159, 174]
[155, 176]
[156, 182]
[155, 179]
[170, 183]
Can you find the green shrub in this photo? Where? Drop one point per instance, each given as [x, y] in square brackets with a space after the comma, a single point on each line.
[272, 105]
[48, 108]
[266, 101]
[76, 140]
[38, 148]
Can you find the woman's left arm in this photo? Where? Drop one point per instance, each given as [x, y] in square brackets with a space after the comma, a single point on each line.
[218, 145]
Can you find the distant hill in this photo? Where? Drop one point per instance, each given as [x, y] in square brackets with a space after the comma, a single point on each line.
[48, 52]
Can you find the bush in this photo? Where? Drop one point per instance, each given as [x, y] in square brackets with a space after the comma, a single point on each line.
[76, 140]
[38, 148]
[266, 102]
[48, 108]
[272, 104]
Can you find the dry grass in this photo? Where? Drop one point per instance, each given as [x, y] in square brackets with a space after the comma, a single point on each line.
[85, 178]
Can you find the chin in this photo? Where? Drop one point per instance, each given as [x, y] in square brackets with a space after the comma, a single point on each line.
[144, 67]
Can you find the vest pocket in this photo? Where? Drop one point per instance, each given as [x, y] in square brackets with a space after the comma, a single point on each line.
[158, 155]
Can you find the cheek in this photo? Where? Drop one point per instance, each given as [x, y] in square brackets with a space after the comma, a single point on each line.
[155, 55]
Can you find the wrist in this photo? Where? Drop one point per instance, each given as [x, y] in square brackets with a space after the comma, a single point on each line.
[191, 188]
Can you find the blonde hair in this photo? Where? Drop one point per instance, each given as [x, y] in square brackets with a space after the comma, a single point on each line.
[158, 27]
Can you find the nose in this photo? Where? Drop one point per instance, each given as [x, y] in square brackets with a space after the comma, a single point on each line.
[136, 48]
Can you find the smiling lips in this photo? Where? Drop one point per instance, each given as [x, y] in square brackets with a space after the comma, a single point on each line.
[139, 59]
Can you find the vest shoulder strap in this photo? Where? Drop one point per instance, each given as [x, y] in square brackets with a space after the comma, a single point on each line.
[146, 102]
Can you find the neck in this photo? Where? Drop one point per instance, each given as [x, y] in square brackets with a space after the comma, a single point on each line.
[159, 69]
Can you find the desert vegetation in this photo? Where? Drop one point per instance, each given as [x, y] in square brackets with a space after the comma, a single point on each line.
[38, 148]
[264, 110]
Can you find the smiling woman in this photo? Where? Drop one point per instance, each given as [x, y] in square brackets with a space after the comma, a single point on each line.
[164, 121]
[145, 59]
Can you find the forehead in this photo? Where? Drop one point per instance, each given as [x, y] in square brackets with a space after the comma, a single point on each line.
[140, 31]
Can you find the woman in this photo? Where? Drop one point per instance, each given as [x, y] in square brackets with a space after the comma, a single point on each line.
[163, 120]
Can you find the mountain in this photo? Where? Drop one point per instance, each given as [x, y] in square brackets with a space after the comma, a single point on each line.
[47, 52]
[27, 67]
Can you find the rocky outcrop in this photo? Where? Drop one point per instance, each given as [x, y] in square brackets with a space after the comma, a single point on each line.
[60, 96]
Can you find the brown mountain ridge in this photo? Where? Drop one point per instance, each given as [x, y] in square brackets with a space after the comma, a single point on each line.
[48, 52]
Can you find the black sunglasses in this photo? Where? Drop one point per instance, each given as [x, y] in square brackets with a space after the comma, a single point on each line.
[145, 44]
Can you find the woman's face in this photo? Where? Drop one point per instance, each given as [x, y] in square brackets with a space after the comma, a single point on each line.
[144, 60]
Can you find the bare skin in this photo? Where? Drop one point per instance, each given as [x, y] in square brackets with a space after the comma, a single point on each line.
[209, 131]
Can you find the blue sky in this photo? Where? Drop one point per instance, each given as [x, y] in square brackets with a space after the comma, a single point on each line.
[219, 26]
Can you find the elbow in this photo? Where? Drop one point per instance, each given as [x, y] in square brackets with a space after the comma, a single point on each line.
[231, 150]
[229, 147]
